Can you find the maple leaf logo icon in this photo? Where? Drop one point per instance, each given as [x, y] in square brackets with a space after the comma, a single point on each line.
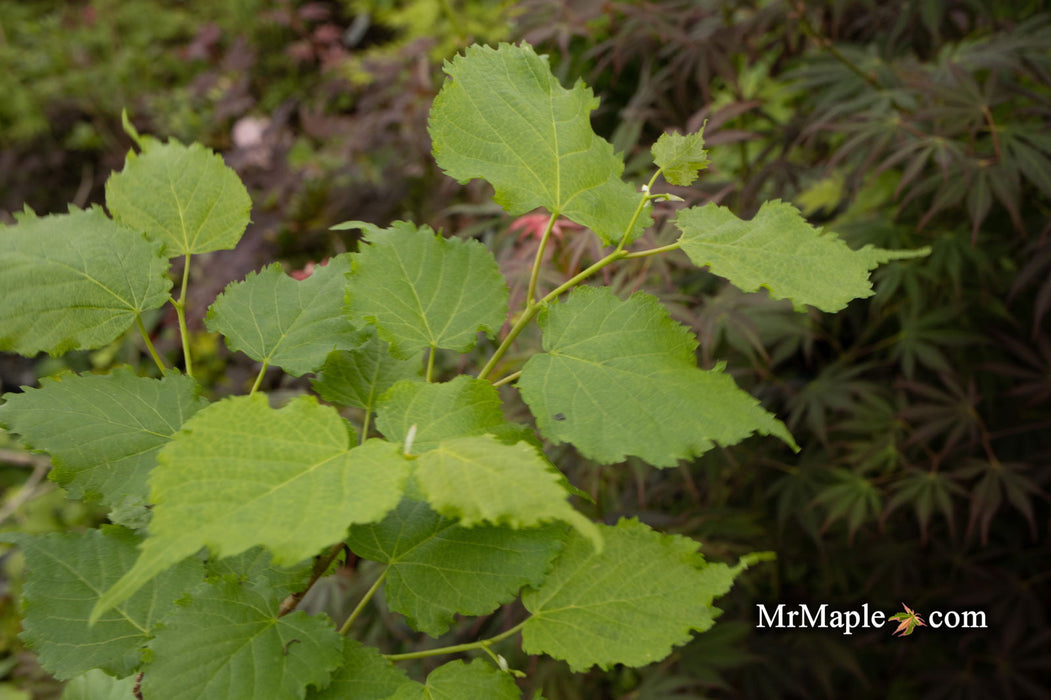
[908, 621]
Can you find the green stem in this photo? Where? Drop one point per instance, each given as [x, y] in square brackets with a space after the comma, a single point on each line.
[535, 274]
[149, 344]
[180, 311]
[654, 251]
[365, 427]
[638, 210]
[430, 363]
[456, 648]
[508, 379]
[363, 602]
[532, 308]
[259, 377]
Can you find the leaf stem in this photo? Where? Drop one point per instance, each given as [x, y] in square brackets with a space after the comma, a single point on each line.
[149, 344]
[508, 379]
[259, 377]
[180, 311]
[646, 197]
[365, 426]
[654, 251]
[456, 648]
[538, 261]
[364, 600]
[430, 363]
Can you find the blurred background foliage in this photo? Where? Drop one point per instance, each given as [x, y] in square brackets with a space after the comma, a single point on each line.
[924, 412]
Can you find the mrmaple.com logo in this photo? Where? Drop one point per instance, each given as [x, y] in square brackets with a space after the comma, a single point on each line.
[803, 616]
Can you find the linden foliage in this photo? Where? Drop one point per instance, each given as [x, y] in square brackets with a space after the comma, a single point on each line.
[218, 508]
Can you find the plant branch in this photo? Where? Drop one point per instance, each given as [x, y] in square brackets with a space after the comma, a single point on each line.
[533, 308]
[320, 567]
[364, 601]
[27, 492]
[638, 210]
[824, 43]
[457, 648]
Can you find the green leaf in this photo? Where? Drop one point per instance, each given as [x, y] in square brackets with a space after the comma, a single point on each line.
[364, 675]
[74, 280]
[458, 408]
[229, 642]
[67, 572]
[780, 251]
[482, 480]
[438, 567]
[245, 474]
[505, 118]
[96, 685]
[680, 157]
[103, 432]
[184, 197]
[628, 604]
[358, 377]
[459, 681]
[421, 290]
[619, 378]
[277, 320]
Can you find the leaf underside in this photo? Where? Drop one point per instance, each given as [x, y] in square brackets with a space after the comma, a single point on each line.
[505, 118]
[245, 475]
[56, 296]
[103, 432]
[438, 568]
[228, 641]
[287, 323]
[424, 291]
[780, 251]
[629, 604]
[182, 196]
[619, 378]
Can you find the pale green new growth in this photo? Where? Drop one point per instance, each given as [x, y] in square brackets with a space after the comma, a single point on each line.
[503, 117]
[75, 281]
[67, 573]
[680, 157]
[102, 431]
[424, 291]
[459, 681]
[244, 475]
[780, 251]
[184, 197]
[619, 378]
[363, 675]
[629, 604]
[228, 642]
[438, 568]
[482, 480]
[283, 322]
